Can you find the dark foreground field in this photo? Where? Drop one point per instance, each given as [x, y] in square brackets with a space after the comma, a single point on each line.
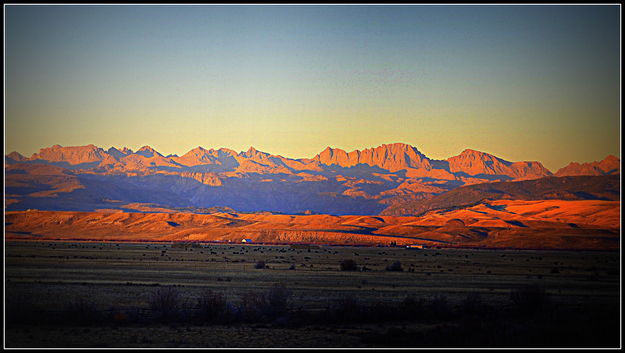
[209, 295]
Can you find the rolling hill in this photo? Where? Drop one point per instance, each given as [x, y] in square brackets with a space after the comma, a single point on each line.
[549, 188]
[550, 224]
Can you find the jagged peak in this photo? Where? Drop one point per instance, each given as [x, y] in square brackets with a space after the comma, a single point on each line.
[253, 152]
[91, 148]
[227, 151]
[475, 154]
[397, 144]
[148, 151]
[609, 158]
[469, 151]
[199, 153]
[123, 150]
[328, 150]
[382, 146]
[57, 147]
[146, 148]
[197, 150]
[390, 147]
[400, 146]
[16, 156]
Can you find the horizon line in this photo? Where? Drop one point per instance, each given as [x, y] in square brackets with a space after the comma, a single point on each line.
[168, 155]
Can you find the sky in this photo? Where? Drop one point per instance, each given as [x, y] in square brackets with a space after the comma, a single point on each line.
[537, 83]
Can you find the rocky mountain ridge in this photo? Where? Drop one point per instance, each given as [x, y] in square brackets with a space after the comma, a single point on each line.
[333, 181]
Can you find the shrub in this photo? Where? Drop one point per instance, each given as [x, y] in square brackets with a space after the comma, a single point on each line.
[165, 303]
[345, 309]
[251, 307]
[270, 305]
[348, 265]
[276, 301]
[395, 266]
[212, 307]
[260, 264]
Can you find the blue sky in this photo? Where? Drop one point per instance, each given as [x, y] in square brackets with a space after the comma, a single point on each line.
[521, 82]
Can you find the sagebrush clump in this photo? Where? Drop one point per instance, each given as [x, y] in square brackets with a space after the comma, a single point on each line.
[395, 266]
[348, 265]
[165, 303]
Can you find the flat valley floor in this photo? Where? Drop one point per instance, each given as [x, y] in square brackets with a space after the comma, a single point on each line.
[103, 294]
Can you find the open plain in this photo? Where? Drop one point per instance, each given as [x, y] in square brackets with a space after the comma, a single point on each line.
[101, 294]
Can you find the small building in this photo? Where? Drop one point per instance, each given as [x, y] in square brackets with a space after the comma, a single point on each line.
[246, 241]
[416, 246]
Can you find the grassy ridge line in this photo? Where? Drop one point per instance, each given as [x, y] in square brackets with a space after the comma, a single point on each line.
[605, 187]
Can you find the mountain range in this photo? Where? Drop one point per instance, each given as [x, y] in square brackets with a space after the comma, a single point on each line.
[89, 178]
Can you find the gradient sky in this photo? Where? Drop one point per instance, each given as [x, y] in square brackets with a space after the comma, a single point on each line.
[521, 82]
